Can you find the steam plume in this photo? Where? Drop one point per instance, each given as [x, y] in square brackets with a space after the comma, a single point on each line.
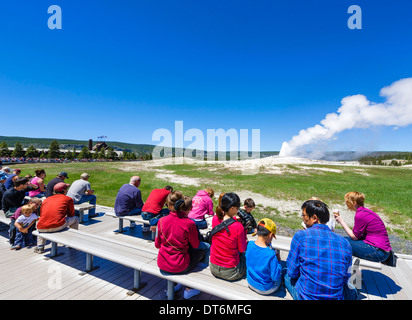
[358, 112]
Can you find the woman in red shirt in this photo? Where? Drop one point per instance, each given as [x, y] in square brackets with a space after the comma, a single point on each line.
[227, 252]
[177, 239]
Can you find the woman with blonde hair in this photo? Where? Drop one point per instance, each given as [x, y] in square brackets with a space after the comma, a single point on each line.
[368, 238]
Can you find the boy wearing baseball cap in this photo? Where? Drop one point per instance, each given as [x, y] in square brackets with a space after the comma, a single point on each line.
[264, 271]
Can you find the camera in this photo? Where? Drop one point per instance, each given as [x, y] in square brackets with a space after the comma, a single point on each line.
[247, 220]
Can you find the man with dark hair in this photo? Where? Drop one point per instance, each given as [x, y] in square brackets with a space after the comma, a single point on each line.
[319, 260]
[152, 209]
[11, 178]
[50, 185]
[13, 197]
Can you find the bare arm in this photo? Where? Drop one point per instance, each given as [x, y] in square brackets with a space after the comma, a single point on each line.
[345, 227]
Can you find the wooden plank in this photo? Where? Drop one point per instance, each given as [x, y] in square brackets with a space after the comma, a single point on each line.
[403, 277]
[112, 281]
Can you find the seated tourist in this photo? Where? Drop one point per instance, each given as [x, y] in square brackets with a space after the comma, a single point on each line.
[319, 260]
[368, 238]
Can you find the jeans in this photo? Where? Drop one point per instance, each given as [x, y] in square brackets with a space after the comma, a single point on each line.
[10, 212]
[200, 224]
[90, 198]
[366, 251]
[135, 211]
[154, 218]
[23, 238]
[290, 286]
[12, 232]
[348, 293]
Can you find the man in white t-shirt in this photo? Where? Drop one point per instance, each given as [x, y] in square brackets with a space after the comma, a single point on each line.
[80, 191]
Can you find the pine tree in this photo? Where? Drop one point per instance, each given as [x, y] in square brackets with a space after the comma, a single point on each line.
[111, 154]
[54, 150]
[85, 153]
[18, 150]
[101, 154]
[68, 155]
[31, 152]
[74, 154]
[4, 149]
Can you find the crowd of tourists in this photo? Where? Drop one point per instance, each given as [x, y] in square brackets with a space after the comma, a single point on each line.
[317, 266]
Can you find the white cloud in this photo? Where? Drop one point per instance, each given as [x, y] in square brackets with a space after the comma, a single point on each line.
[358, 112]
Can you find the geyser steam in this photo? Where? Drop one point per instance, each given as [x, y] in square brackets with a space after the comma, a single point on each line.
[358, 112]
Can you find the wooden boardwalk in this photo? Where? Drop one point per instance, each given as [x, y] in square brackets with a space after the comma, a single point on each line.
[25, 275]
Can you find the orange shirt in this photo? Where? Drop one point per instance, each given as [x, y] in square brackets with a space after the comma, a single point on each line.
[54, 210]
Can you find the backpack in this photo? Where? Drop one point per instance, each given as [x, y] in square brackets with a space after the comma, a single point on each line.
[223, 225]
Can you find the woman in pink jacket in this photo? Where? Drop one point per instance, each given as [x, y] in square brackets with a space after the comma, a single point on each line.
[202, 205]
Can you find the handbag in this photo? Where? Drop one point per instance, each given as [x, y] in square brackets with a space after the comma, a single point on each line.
[391, 260]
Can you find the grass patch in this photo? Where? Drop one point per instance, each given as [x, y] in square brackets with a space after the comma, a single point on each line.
[387, 189]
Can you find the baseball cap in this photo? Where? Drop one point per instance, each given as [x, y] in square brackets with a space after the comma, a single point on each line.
[60, 186]
[64, 174]
[85, 175]
[268, 224]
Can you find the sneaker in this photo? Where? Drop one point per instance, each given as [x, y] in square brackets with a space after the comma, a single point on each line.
[190, 293]
[132, 224]
[39, 250]
[177, 288]
[15, 247]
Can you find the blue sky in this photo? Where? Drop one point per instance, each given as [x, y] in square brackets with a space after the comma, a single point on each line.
[124, 69]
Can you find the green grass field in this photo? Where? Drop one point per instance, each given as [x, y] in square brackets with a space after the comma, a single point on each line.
[387, 189]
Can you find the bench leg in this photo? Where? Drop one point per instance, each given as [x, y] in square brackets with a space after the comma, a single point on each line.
[120, 226]
[137, 284]
[53, 252]
[89, 264]
[81, 216]
[170, 290]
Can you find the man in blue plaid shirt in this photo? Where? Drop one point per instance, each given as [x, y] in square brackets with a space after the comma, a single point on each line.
[319, 260]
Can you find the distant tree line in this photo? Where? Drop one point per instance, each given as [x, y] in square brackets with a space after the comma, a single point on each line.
[55, 153]
[390, 159]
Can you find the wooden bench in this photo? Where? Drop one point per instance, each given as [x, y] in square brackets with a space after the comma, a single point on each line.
[139, 219]
[93, 245]
[3, 218]
[283, 243]
[143, 259]
[136, 218]
[27, 198]
[81, 208]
